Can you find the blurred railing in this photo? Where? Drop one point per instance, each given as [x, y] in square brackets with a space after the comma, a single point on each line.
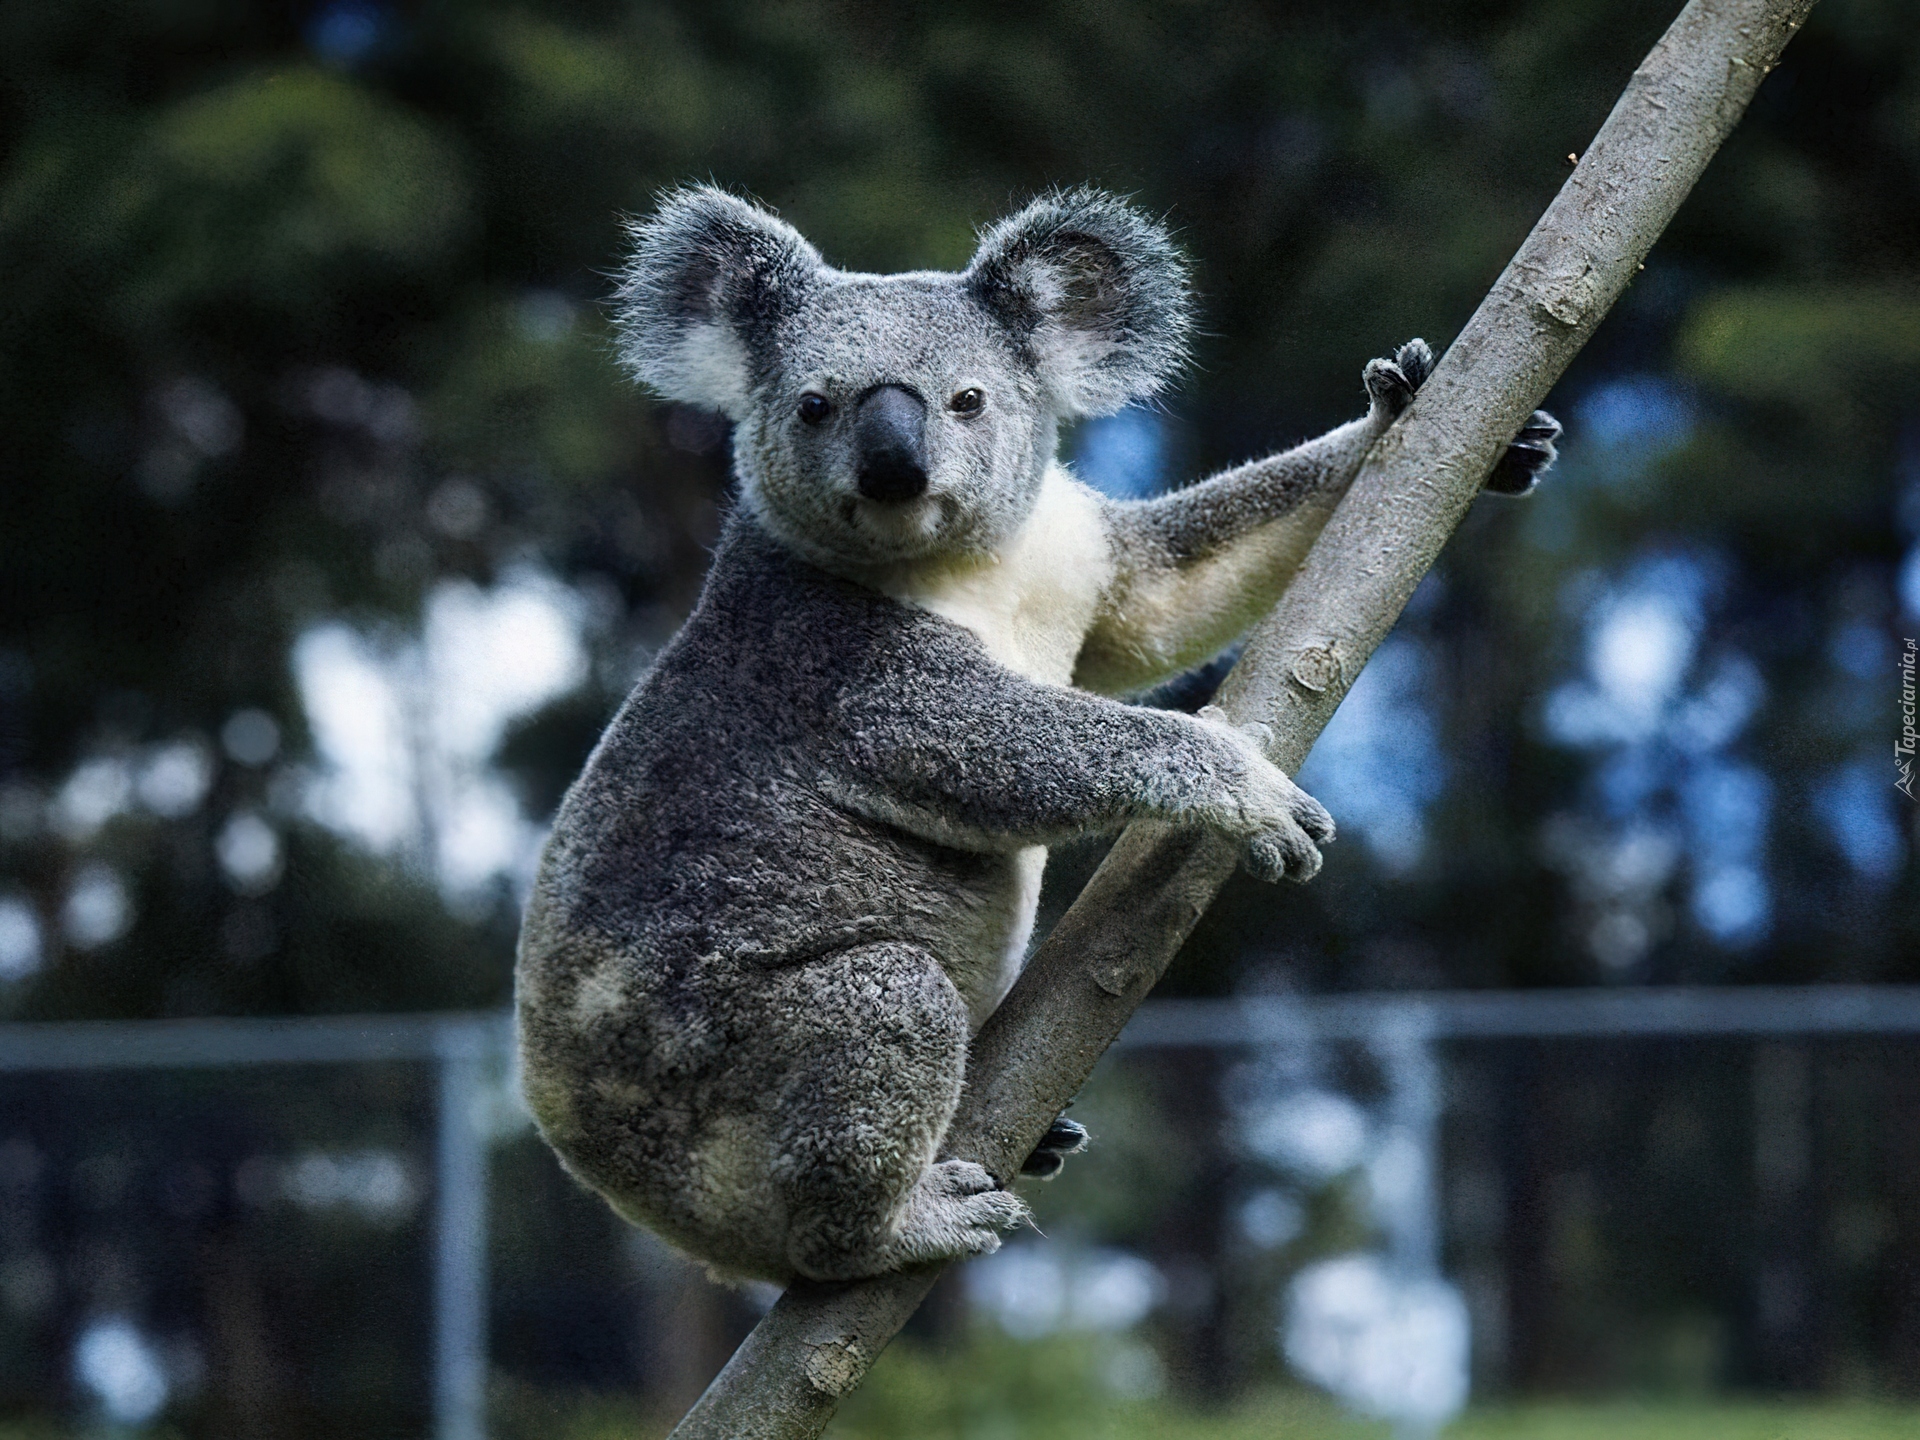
[461, 1047]
[1751, 1011]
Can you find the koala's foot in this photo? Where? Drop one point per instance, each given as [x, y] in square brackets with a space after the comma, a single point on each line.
[1391, 383]
[957, 1209]
[1283, 826]
[1063, 1138]
[1528, 457]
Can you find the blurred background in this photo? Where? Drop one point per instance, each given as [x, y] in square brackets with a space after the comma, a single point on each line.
[330, 535]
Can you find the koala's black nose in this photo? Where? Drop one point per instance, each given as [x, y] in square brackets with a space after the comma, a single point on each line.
[890, 440]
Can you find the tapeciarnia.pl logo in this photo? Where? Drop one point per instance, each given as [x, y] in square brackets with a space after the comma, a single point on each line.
[1904, 746]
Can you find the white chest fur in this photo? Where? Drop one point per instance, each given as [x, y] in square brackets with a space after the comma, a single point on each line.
[1033, 602]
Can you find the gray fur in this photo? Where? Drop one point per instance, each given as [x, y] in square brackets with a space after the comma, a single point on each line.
[799, 869]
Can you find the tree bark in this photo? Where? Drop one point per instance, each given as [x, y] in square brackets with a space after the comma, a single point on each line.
[1110, 948]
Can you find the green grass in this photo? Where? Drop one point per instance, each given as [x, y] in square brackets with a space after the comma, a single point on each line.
[1753, 1420]
[996, 1390]
[1288, 1415]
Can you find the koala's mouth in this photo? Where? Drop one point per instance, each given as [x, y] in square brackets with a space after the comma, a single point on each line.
[902, 528]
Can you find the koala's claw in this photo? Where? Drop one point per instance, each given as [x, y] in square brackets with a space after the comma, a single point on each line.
[1415, 359]
[1063, 1138]
[1290, 850]
[963, 1211]
[1391, 383]
[950, 1178]
[1287, 825]
[1528, 457]
[1283, 853]
[957, 1210]
[1311, 816]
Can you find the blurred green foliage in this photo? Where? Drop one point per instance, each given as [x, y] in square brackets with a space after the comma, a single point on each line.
[1825, 351]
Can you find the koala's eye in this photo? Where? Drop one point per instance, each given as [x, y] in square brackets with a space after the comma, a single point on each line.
[814, 408]
[967, 402]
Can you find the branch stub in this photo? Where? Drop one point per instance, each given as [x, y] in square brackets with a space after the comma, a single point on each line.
[1317, 668]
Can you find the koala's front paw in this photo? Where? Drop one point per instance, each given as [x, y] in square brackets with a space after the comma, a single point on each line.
[1289, 849]
[958, 1209]
[1391, 383]
[1528, 457]
[1283, 826]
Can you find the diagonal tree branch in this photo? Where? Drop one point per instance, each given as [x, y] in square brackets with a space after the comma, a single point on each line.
[1121, 933]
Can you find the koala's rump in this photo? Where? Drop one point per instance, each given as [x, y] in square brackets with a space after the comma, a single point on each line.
[646, 1088]
[675, 1090]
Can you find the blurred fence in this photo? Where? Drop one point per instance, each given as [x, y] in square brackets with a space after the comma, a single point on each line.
[1587, 1166]
[1257, 1080]
[465, 1051]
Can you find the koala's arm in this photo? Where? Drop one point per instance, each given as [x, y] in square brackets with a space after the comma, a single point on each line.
[979, 758]
[1194, 569]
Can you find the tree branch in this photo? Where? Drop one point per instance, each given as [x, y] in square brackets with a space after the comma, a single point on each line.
[1110, 948]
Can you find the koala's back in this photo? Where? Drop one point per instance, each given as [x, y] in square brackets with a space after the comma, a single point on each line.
[701, 885]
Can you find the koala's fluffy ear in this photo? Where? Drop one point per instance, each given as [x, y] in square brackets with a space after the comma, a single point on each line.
[1095, 291]
[709, 277]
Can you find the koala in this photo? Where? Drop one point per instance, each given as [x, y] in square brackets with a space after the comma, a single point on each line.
[800, 868]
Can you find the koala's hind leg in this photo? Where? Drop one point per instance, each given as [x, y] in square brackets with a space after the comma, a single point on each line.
[1063, 1138]
[878, 1052]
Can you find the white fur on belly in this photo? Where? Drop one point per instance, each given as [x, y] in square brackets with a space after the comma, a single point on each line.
[987, 957]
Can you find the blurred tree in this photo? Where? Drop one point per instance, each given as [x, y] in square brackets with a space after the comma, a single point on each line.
[302, 323]
[300, 327]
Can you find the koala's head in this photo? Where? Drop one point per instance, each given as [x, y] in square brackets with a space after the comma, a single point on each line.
[882, 418]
